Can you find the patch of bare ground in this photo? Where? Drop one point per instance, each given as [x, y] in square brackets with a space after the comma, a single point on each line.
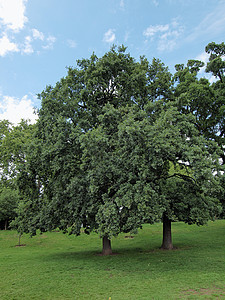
[21, 245]
[112, 254]
[218, 292]
[160, 249]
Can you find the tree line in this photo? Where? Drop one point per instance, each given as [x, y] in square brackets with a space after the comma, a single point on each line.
[119, 143]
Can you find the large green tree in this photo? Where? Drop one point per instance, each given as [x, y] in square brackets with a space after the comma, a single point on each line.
[107, 138]
[69, 110]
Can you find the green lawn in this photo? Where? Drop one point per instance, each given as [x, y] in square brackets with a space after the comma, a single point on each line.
[56, 266]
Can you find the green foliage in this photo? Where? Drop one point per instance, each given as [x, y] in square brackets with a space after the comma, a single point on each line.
[13, 145]
[128, 159]
[216, 64]
[120, 199]
[8, 203]
[204, 100]
[14, 141]
[196, 96]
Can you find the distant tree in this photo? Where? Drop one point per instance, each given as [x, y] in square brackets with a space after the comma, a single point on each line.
[9, 199]
[13, 144]
[5, 128]
[14, 140]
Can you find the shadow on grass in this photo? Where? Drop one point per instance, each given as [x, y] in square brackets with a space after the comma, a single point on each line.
[140, 258]
[125, 259]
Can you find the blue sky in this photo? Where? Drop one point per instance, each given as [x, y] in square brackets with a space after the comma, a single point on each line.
[38, 39]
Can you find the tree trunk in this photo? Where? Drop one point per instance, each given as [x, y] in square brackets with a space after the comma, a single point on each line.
[106, 243]
[19, 238]
[6, 223]
[167, 237]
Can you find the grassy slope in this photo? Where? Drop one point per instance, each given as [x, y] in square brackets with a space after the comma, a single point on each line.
[57, 266]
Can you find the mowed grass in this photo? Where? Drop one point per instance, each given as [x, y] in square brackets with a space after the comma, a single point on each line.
[56, 266]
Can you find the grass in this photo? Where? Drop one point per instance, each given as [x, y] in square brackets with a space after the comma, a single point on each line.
[57, 266]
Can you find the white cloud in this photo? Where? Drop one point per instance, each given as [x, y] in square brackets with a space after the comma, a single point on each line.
[168, 40]
[14, 109]
[72, 43]
[109, 36]
[28, 49]
[12, 14]
[50, 42]
[7, 46]
[152, 30]
[12, 22]
[37, 35]
[27, 46]
[167, 35]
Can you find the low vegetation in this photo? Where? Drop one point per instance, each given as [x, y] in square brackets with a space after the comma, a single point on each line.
[57, 266]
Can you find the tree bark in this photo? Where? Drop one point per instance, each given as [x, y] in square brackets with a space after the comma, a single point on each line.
[19, 238]
[106, 243]
[167, 236]
[6, 223]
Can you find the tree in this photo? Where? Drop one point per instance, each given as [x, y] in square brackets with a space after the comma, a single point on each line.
[69, 111]
[14, 140]
[105, 142]
[5, 128]
[8, 203]
[178, 164]
[216, 64]
[204, 100]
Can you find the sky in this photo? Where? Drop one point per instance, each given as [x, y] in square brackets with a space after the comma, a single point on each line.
[39, 39]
